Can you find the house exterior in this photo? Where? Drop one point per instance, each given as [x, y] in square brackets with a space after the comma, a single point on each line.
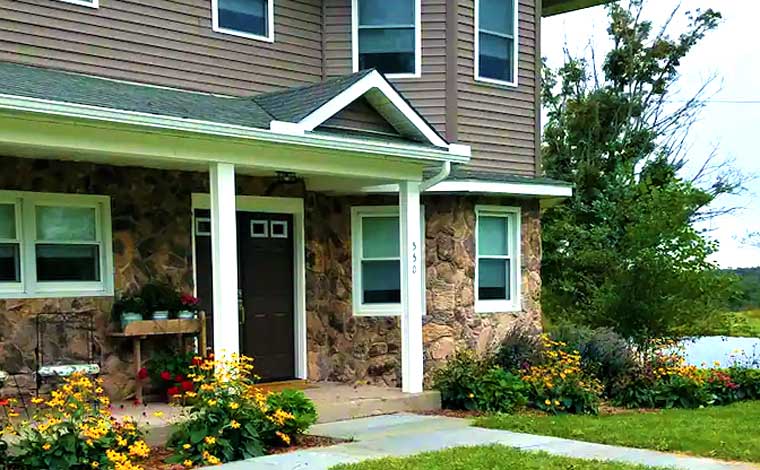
[352, 187]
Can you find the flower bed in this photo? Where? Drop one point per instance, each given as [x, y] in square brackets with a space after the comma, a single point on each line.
[226, 418]
[576, 369]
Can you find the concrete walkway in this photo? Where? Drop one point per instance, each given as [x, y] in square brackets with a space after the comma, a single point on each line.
[405, 434]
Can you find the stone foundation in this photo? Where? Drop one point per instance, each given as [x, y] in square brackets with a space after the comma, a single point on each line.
[151, 220]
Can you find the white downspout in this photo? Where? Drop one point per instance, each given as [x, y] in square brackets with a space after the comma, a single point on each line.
[440, 176]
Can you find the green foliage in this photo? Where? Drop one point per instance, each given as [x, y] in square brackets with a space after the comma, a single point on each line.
[297, 404]
[468, 382]
[747, 381]
[169, 369]
[159, 296]
[748, 296]
[127, 304]
[520, 348]
[623, 252]
[604, 354]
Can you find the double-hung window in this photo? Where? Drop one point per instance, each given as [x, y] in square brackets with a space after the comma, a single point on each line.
[55, 245]
[387, 36]
[376, 252]
[496, 41]
[246, 18]
[497, 273]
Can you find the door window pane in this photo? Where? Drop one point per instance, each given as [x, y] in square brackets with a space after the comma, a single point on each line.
[497, 16]
[67, 262]
[492, 236]
[10, 268]
[496, 57]
[493, 279]
[248, 16]
[7, 222]
[381, 282]
[65, 223]
[380, 237]
[386, 12]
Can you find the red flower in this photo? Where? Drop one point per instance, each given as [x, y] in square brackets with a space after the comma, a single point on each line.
[179, 378]
[4, 402]
[187, 385]
[166, 375]
[188, 300]
[142, 374]
[172, 391]
[197, 360]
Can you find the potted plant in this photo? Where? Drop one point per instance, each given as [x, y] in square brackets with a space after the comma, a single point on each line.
[189, 306]
[160, 299]
[128, 309]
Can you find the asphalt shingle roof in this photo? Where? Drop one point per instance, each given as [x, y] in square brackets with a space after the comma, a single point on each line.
[459, 173]
[257, 111]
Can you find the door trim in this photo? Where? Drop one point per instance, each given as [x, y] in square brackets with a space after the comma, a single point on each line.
[276, 205]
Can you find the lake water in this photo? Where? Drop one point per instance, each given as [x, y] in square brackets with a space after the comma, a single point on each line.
[726, 350]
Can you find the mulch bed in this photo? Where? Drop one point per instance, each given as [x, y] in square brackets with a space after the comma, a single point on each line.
[159, 454]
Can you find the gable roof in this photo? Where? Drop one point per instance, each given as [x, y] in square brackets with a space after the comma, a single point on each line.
[294, 111]
[556, 7]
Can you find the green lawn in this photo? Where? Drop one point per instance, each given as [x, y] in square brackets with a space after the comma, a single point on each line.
[486, 458]
[726, 432]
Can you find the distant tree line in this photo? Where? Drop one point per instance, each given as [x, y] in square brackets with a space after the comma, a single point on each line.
[748, 287]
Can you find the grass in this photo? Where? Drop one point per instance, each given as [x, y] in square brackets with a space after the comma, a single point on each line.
[745, 323]
[722, 432]
[486, 458]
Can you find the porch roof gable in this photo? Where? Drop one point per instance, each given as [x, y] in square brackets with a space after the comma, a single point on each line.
[296, 111]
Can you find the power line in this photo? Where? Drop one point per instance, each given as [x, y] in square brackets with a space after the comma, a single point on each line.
[718, 101]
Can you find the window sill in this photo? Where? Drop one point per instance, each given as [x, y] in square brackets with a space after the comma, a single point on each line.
[496, 83]
[55, 294]
[242, 34]
[497, 306]
[379, 310]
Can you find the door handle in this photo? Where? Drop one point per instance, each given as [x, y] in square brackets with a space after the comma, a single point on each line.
[241, 308]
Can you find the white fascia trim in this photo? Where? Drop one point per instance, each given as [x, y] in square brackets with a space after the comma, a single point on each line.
[83, 3]
[374, 80]
[484, 187]
[73, 110]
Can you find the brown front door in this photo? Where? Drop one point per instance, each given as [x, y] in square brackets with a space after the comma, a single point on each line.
[265, 281]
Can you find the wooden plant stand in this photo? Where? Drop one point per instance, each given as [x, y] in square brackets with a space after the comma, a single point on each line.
[140, 330]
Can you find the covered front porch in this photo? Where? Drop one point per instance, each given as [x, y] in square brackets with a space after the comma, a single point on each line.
[203, 202]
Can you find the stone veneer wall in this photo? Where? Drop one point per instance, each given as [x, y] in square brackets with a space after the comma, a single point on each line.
[345, 348]
[151, 219]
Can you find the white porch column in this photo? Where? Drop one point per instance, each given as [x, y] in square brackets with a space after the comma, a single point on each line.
[224, 265]
[411, 287]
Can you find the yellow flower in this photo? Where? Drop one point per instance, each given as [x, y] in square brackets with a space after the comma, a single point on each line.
[234, 424]
[46, 446]
[285, 438]
[234, 405]
[188, 463]
[556, 402]
[94, 464]
[211, 402]
[548, 402]
[210, 440]
[158, 414]
[186, 446]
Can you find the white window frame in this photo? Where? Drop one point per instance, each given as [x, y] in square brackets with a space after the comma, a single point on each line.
[93, 4]
[514, 237]
[269, 37]
[377, 310]
[417, 40]
[14, 287]
[516, 52]
[26, 204]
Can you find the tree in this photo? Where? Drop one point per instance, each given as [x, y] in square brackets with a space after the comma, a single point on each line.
[623, 251]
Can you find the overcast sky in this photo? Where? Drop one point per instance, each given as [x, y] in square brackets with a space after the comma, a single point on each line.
[731, 121]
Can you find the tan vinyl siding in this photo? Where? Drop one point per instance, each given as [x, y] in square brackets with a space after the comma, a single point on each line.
[499, 122]
[164, 42]
[427, 94]
[360, 116]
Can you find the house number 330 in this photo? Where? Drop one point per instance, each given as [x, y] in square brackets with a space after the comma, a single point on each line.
[414, 257]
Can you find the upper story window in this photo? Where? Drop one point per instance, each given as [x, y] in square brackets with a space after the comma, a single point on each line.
[246, 18]
[54, 245]
[387, 36]
[497, 270]
[496, 41]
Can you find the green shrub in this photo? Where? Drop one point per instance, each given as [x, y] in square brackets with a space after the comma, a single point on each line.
[457, 380]
[678, 391]
[559, 384]
[299, 406]
[604, 353]
[520, 348]
[499, 391]
[747, 382]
